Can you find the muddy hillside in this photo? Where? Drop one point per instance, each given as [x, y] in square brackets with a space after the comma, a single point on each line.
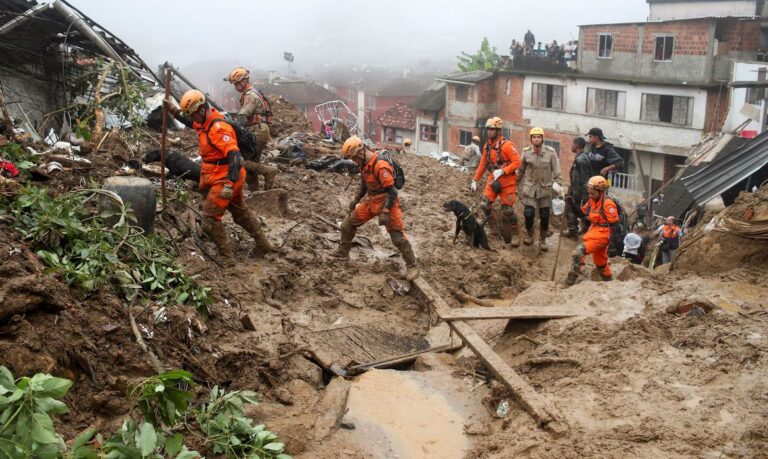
[347, 358]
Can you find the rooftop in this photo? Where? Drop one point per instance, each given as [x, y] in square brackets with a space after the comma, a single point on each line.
[712, 18]
[431, 100]
[400, 116]
[300, 92]
[467, 77]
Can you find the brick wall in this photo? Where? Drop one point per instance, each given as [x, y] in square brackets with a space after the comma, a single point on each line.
[691, 37]
[624, 37]
[510, 107]
[716, 113]
[740, 35]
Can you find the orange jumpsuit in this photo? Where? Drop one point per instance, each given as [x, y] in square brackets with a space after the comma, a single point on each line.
[377, 179]
[501, 154]
[598, 236]
[215, 140]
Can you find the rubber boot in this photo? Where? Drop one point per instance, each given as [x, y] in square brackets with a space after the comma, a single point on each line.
[269, 176]
[515, 229]
[404, 246]
[218, 234]
[604, 277]
[250, 224]
[570, 280]
[528, 236]
[347, 235]
[543, 242]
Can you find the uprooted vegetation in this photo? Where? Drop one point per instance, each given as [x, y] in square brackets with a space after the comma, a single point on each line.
[69, 235]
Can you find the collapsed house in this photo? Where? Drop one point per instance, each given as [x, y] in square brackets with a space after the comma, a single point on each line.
[53, 58]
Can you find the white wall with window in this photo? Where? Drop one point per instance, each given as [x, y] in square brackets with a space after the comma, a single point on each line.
[428, 147]
[591, 103]
[545, 95]
[747, 105]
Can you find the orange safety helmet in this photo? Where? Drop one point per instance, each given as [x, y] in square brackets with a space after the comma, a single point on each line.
[494, 123]
[407, 142]
[598, 182]
[351, 147]
[238, 74]
[191, 101]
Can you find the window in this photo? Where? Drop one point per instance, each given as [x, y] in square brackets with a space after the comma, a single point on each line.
[506, 132]
[664, 47]
[554, 144]
[604, 102]
[389, 135]
[547, 96]
[428, 133]
[371, 103]
[462, 93]
[667, 109]
[755, 95]
[605, 42]
[398, 137]
[465, 137]
[508, 89]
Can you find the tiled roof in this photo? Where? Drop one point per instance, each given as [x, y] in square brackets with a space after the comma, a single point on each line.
[300, 92]
[431, 100]
[400, 116]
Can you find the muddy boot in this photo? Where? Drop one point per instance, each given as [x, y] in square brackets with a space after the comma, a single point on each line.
[604, 277]
[570, 280]
[269, 176]
[404, 246]
[543, 242]
[218, 234]
[250, 224]
[515, 229]
[345, 244]
[528, 237]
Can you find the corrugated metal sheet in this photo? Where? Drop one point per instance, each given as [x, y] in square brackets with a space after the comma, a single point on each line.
[727, 170]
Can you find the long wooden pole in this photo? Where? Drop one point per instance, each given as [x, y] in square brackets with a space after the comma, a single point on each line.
[164, 141]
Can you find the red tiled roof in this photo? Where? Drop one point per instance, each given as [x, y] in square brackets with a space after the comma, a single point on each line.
[400, 116]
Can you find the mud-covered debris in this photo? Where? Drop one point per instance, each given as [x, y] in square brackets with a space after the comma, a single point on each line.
[332, 408]
[22, 295]
[688, 305]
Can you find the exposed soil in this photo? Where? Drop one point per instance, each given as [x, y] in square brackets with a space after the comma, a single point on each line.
[648, 382]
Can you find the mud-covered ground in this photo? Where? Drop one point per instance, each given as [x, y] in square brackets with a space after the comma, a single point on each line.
[647, 383]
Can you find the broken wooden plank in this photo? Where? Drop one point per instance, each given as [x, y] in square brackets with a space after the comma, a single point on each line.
[537, 406]
[388, 363]
[512, 312]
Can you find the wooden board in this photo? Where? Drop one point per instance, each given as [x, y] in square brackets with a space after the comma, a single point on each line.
[512, 312]
[366, 344]
[536, 405]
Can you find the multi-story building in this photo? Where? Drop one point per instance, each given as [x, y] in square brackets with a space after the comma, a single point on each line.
[655, 88]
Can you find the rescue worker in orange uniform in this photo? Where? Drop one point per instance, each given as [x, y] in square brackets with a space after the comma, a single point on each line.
[222, 174]
[603, 216]
[254, 114]
[501, 160]
[376, 196]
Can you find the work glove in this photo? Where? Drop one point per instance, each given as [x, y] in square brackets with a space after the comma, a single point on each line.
[172, 109]
[226, 192]
[473, 186]
[384, 218]
[557, 189]
[235, 163]
[498, 173]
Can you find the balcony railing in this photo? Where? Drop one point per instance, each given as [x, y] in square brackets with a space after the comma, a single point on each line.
[626, 182]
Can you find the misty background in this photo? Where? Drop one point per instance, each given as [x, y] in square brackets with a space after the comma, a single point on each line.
[424, 35]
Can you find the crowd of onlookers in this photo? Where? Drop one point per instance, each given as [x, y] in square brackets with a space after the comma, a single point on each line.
[554, 51]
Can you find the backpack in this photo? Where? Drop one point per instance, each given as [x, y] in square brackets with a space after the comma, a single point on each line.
[267, 107]
[246, 141]
[398, 170]
[616, 246]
